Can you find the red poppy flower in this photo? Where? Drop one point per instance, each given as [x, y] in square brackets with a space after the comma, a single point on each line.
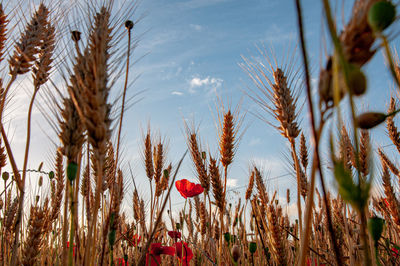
[395, 252]
[73, 249]
[183, 252]
[136, 240]
[188, 189]
[121, 262]
[309, 262]
[174, 234]
[156, 250]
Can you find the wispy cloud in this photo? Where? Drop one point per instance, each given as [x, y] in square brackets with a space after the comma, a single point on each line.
[232, 183]
[177, 93]
[210, 84]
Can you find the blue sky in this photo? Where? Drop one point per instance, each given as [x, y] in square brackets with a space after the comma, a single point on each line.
[189, 54]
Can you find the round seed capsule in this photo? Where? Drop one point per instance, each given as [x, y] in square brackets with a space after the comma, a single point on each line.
[357, 81]
[76, 35]
[381, 15]
[129, 24]
[5, 176]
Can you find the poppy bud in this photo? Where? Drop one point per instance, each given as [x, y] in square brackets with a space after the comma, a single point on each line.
[370, 120]
[51, 175]
[166, 173]
[40, 181]
[76, 35]
[227, 237]
[236, 252]
[129, 24]
[252, 247]
[5, 176]
[111, 237]
[381, 15]
[37, 198]
[72, 170]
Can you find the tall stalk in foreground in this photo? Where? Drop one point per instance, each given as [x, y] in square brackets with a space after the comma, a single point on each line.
[43, 45]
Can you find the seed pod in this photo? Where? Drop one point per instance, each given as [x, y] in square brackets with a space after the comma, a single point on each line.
[112, 237]
[51, 175]
[370, 120]
[129, 24]
[252, 247]
[40, 181]
[357, 81]
[72, 170]
[166, 173]
[236, 252]
[227, 237]
[5, 176]
[381, 15]
[76, 35]
[178, 226]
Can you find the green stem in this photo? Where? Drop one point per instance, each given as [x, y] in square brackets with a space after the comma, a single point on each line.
[389, 57]
[72, 226]
[21, 199]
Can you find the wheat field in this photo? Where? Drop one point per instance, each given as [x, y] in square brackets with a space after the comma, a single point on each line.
[76, 216]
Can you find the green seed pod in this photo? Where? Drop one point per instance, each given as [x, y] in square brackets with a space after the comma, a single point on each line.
[204, 155]
[357, 81]
[375, 228]
[227, 237]
[72, 170]
[51, 175]
[252, 247]
[370, 120]
[178, 226]
[37, 198]
[111, 237]
[236, 252]
[40, 181]
[5, 176]
[381, 15]
[166, 173]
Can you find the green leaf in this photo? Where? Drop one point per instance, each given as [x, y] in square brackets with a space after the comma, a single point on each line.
[375, 228]
[349, 191]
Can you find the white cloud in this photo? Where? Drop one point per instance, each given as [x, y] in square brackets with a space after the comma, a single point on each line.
[231, 182]
[209, 83]
[196, 27]
[177, 93]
